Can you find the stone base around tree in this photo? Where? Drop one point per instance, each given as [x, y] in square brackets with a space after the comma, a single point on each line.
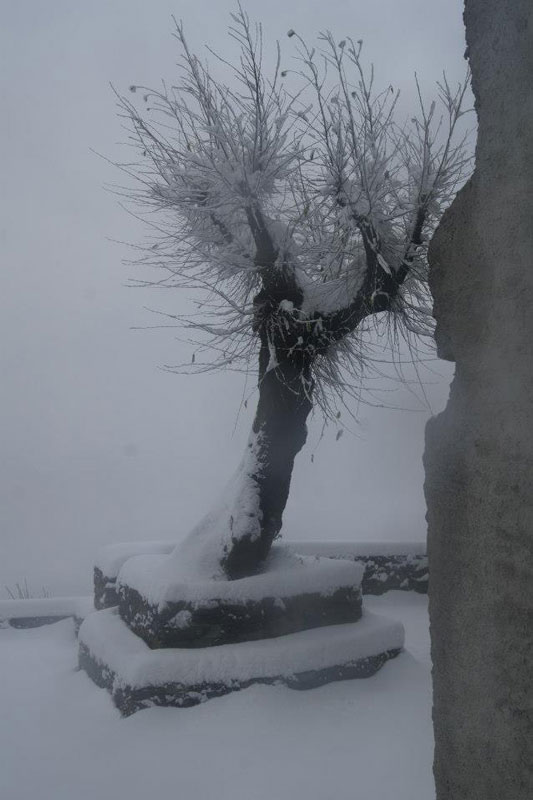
[110, 561]
[138, 677]
[293, 593]
[387, 565]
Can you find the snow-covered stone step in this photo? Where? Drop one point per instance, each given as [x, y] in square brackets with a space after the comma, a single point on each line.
[33, 612]
[109, 562]
[138, 677]
[387, 565]
[293, 593]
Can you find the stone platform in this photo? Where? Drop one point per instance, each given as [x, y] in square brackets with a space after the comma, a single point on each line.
[293, 593]
[387, 565]
[177, 639]
[139, 677]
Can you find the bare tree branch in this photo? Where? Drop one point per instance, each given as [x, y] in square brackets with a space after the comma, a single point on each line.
[299, 212]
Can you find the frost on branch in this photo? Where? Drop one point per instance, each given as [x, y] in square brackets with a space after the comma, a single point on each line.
[300, 211]
[311, 195]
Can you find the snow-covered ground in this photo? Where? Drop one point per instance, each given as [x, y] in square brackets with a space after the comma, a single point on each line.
[61, 738]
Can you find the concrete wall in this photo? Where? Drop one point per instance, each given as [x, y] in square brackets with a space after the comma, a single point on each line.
[479, 451]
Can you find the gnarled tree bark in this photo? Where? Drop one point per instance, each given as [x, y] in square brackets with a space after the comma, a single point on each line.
[280, 424]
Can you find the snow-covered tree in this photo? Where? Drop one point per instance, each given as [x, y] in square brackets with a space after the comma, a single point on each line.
[300, 209]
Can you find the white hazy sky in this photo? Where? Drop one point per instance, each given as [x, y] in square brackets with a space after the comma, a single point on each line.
[98, 444]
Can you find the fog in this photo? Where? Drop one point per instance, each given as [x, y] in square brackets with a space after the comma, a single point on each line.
[99, 444]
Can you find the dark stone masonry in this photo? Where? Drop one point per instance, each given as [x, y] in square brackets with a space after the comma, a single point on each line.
[105, 592]
[129, 700]
[383, 572]
[214, 621]
[141, 650]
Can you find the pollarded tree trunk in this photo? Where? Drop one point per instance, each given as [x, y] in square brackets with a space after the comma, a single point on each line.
[281, 430]
[235, 537]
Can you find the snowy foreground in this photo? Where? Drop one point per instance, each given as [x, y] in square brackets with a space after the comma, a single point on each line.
[62, 739]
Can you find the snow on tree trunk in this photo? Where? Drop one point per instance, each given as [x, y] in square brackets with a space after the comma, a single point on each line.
[281, 431]
[234, 538]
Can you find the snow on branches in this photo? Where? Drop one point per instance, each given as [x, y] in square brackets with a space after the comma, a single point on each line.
[294, 201]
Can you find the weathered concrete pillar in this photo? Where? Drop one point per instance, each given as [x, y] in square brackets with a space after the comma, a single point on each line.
[479, 451]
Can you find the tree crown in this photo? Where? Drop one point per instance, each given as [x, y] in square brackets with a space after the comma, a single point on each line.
[299, 212]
